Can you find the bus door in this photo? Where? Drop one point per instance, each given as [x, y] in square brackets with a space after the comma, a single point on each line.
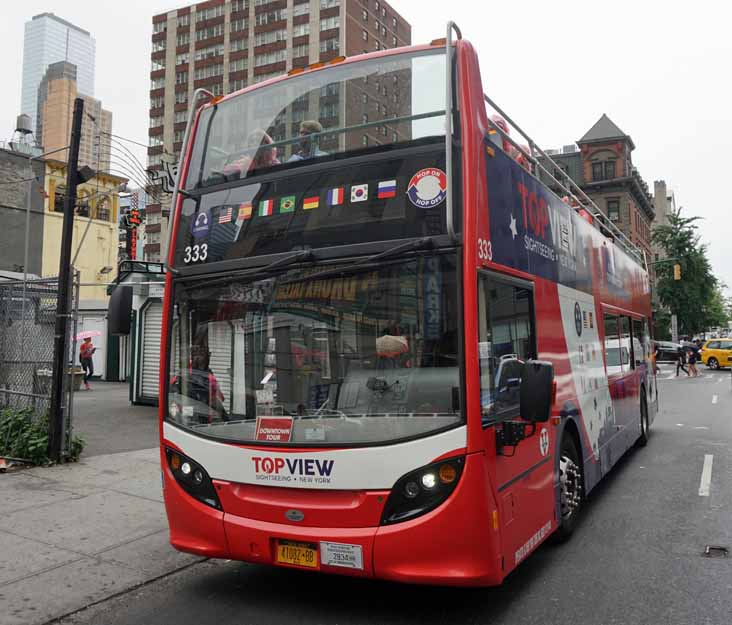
[523, 472]
[622, 374]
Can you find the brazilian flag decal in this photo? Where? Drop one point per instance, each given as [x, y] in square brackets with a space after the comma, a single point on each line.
[287, 204]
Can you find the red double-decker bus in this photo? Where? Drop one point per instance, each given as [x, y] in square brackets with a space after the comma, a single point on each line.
[389, 349]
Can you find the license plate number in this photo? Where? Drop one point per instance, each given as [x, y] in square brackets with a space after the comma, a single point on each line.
[297, 554]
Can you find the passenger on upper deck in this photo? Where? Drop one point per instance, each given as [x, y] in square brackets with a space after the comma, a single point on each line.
[257, 155]
[503, 143]
[308, 144]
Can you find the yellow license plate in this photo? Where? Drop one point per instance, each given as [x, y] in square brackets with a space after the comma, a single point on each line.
[297, 554]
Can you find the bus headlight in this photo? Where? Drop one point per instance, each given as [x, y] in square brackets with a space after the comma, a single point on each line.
[192, 478]
[422, 490]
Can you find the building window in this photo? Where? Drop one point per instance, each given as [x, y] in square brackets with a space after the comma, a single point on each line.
[300, 9]
[238, 65]
[613, 210]
[272, 36]
[238, 44]
[383, 31]
[327, 4]
[238, 25]
[365, 98]
[270, 57]
[157, 46]
[182, 58]
[300, 30]
[157, 102]
[157, 83]
[394, 43]
[365, 15]
[301, 50]
[209, 52]
[271, 17]
[609, 170]
[603, 170]
[238, 5]
[364, 119]
[156, 121]
[160, 27]
[181, 97]
[365, 36]
[209, 70]
[183, 39]
[211, 31]
[156, 141]
[158, 64]
[236, 85]
[210, 13]
[184, 20]
[329, 45]
[377, 6]
[180, 116]
[58, 199]
[328, 23]
[364, 140]
[181, 78]
[394, 23]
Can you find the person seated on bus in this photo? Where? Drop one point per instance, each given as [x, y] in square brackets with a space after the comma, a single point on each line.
[502, 142]
[202, 386]
[308, 146]
[392, 347]
[256, 156]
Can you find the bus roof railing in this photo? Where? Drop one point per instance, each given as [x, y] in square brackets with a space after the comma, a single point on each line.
[568, 186]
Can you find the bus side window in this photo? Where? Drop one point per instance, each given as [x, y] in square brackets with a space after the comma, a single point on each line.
[612, 345]
[506, 339]
[639, 346]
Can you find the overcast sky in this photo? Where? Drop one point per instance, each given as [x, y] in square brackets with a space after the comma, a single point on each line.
[660, 70]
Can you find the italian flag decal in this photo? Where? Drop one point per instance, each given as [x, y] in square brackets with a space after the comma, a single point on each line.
[265, 208]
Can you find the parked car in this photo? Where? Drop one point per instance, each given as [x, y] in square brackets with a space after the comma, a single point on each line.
[717, 353]
[667, 351]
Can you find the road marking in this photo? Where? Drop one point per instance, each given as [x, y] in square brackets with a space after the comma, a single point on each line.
[715, 398]
[701, 427]
[706, 476]
[680, 425]
[719, 380]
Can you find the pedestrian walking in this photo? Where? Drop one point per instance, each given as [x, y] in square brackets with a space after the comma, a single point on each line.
[86, 351]
[681, 361]
[693, 358]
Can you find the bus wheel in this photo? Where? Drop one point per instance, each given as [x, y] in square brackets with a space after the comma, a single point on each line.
[644, 424]
[713, 363]
[571, 492]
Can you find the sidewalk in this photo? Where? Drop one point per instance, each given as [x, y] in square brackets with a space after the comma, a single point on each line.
[75, 534]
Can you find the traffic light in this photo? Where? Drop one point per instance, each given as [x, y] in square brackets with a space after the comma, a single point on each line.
[677, 272]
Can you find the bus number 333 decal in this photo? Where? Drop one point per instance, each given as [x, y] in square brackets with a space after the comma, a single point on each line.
[485, 250]
[195, 253]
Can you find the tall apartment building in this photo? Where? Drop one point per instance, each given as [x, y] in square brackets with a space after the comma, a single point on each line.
[49, 39]
[56, 94]
[225, 45]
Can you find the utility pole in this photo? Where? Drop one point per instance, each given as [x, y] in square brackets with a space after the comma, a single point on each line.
[60, 344]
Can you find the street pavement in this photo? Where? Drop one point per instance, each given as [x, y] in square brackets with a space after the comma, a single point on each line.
[108, 422]
[637, 556]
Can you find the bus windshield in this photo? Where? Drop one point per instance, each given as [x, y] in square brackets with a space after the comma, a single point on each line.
[362, 356]
[378, 102]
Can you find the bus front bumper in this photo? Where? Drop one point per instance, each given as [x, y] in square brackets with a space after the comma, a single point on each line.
[452, 545]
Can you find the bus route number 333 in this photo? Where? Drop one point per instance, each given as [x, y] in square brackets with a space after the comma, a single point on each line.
[485, 250]
[195, 253]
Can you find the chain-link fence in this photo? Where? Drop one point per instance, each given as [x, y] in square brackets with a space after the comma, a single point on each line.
[27, 329]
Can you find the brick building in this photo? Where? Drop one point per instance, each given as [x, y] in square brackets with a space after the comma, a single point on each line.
[603, 168]
[225, 45]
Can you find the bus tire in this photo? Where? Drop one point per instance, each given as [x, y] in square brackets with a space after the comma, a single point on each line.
[713, 363]
[645, 426]
[571, 488]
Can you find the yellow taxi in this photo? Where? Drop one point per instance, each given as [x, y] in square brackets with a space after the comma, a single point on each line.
[717, 353]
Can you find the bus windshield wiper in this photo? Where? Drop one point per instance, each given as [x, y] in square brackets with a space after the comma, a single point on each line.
[300, 255]
[410, 246]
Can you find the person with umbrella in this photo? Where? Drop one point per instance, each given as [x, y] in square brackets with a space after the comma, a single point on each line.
[86, 351]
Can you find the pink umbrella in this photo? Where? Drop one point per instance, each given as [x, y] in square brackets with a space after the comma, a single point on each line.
[87, 334]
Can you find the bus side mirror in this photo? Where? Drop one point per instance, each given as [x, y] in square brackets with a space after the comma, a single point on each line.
[119, 310]
[537, 390]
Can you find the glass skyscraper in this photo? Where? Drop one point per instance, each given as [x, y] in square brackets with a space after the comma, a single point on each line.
[49, 39]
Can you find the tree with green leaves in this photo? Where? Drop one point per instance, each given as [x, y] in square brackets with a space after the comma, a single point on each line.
[697, 298]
